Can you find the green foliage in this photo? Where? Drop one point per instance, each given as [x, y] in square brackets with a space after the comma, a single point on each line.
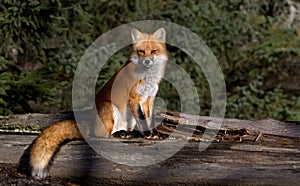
[262, 94]
[16, 91]
[253, 102]
[42, 42]
[24, 25]
[34, 34]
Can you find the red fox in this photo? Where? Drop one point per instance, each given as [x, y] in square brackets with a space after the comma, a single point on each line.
[125, 102]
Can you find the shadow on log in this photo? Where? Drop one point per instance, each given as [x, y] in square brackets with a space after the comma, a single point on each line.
[264, 152]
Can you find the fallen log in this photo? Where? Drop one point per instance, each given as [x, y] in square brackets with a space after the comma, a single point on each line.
[264, 152]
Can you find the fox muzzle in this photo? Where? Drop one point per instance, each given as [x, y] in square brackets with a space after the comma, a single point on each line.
[147, 63]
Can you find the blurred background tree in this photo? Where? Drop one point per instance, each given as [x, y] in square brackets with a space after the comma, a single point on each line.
[256, 42]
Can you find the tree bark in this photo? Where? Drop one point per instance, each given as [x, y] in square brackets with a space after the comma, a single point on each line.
[264, 152]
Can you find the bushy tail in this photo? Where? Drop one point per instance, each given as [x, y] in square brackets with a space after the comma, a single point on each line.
[48, 142]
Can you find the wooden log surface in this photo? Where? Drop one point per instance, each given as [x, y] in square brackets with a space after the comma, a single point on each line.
[265, 152]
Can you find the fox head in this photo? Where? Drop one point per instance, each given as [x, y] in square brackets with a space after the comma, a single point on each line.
[149, 49]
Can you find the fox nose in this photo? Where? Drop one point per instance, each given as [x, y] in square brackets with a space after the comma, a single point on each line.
[147, 62]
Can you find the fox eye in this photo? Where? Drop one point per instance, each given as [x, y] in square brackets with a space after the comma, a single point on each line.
[153, 51]
[141, 51]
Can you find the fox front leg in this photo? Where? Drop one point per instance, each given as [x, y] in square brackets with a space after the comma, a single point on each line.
[149, 107]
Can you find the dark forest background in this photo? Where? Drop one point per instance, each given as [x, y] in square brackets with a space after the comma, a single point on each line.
[256, 42]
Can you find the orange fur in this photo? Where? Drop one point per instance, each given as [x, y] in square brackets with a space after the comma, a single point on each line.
[129, 94]
[46, 144]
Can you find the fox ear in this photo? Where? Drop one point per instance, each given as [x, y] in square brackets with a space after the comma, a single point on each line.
[160, 35]
[136, 35]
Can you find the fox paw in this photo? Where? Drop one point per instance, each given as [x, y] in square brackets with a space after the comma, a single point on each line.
[154, 135]
[39, 173]
[123, 134]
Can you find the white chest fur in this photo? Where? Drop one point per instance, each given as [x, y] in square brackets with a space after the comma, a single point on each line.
[151, 77]
[149, 88]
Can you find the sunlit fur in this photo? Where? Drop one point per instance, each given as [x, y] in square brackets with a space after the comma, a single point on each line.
[132, 88]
